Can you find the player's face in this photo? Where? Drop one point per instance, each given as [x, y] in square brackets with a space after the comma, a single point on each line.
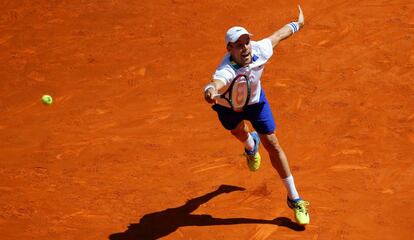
[241, 50]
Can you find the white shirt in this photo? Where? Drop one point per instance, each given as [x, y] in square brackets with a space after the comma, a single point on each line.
[227, 71]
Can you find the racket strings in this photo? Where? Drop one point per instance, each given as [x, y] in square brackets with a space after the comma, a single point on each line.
[240, 93]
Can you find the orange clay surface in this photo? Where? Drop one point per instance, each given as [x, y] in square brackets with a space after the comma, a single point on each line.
[130, 150]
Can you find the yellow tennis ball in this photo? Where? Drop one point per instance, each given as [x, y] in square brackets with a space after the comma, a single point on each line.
[47, 99]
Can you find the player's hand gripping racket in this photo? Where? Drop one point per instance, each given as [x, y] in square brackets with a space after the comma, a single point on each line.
[238, 93]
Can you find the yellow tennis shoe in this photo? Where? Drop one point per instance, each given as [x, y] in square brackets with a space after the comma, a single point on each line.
[299, 207]
[253, 157]
[253, 161]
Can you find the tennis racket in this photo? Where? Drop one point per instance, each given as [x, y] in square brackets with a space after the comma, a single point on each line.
[238, 93]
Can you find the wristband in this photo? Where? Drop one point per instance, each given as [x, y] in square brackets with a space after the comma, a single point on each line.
[210, 85]
[294, 26]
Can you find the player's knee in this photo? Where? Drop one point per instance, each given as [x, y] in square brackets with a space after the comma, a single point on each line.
[240, 129]
[270, 142]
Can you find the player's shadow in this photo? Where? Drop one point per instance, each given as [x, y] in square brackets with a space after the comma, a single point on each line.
[159, 224]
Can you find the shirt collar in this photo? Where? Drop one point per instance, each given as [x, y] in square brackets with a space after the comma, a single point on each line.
[237, 66]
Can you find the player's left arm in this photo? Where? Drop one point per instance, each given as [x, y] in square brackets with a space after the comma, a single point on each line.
[287, 30]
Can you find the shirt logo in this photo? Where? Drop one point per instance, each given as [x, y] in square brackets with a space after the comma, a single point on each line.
[254, 58]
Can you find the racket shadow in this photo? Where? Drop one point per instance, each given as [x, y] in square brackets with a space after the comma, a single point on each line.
[160, 224]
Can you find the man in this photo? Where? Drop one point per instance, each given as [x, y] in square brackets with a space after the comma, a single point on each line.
[248, 57]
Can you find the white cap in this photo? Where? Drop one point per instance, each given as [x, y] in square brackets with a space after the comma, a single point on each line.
[234, 33]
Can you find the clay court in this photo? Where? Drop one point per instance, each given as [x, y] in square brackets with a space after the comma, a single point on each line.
[130, 150]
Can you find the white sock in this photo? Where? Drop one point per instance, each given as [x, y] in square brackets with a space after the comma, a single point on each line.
[249, 143]
[290, 187]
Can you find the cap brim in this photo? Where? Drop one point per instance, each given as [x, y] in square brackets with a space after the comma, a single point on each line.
[240, 36]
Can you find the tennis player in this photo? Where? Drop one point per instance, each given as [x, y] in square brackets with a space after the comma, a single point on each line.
[248, 57]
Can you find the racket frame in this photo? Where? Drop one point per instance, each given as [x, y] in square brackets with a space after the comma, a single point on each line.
[229, 92]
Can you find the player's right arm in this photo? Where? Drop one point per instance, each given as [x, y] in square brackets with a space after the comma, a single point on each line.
[211, 90]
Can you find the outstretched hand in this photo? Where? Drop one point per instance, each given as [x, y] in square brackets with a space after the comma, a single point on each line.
[210, 94]
[301, 18]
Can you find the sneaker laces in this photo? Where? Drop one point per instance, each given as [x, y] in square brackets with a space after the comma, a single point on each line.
[301, 206]
[251, 157]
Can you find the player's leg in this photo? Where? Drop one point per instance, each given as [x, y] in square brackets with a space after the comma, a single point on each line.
[281, 164]
[234, 122]
[251, 143]
[262, 120]
[276, 154]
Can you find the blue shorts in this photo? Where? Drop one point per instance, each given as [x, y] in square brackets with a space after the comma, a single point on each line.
[259, 115]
